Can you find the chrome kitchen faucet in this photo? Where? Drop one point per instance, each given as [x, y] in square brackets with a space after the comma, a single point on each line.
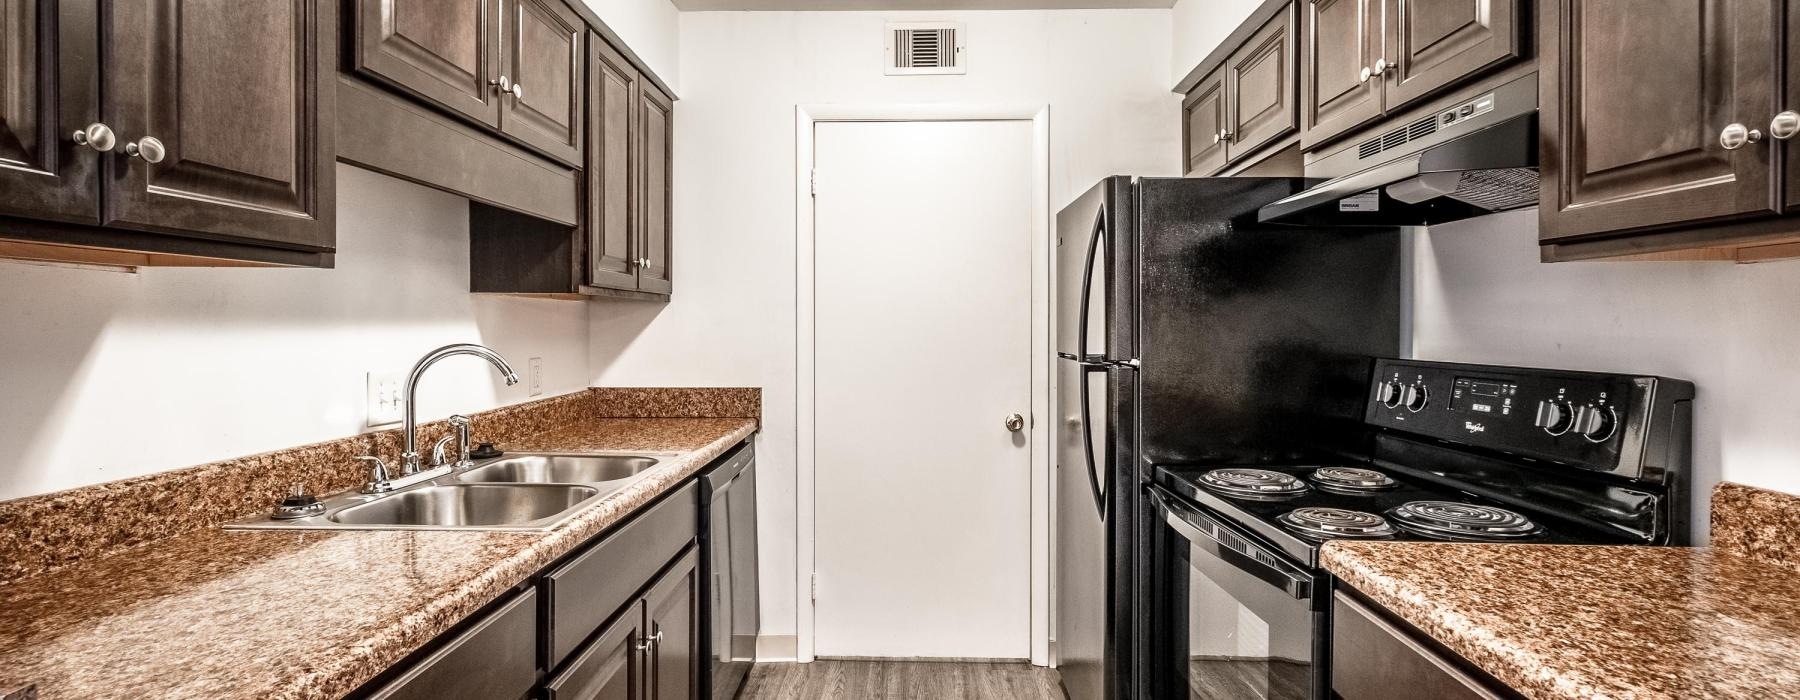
[409, 457]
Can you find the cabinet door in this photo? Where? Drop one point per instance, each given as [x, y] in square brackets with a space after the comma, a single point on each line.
[48, 89]
[1634, 95]
[656, 133]
[240, 97]
[1203, 125]
[610, 668]
[1259, 88]
[440, 50]
[1792, 103]
[1343, 37]
[1433, 44]
[1376, 660]
[674, 613]
[612, 94]
[544, 61]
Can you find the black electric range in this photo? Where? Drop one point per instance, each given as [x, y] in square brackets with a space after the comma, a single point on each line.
[1452, 452]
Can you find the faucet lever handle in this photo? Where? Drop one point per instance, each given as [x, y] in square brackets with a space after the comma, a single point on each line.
[438, 458]
[378, 475]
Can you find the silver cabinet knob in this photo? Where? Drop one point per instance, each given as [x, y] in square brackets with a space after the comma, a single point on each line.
[643, 262]
[1015, 422]
[504, 83]
[1382, 66]
[1785, 125]
[1365, 75]
[1736, 136]
[518, 91]
[1225, 135]
[96, 136]
[1218, 136]
[147, 148]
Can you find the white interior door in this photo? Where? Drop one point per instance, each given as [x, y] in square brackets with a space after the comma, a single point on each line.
[922, 344]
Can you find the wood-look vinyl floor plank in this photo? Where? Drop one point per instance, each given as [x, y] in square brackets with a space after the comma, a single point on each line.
[901, 680]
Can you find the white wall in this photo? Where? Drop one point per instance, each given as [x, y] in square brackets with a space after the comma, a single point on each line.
[1482, 296]
[1198, 26]
[108, 375]
[652, 28]
[732, 321]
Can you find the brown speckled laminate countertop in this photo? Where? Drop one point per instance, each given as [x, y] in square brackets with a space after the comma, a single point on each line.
[1593, 622]
[264, 614]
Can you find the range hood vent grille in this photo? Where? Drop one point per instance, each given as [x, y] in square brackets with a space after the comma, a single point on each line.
[1397, 138]
[925, 48]
[1499, 189]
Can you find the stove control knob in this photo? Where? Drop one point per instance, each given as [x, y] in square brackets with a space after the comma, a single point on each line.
[1596, 423]
[1388, 393]
[1415, 397]
[1554, 416]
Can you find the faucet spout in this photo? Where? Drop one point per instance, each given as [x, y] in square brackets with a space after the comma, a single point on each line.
[410, 428]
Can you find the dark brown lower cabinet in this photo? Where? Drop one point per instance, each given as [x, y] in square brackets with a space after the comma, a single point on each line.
[1375, 659]
[649, 651]
[495, 658]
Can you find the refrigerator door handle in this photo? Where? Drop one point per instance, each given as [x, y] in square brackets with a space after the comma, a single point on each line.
[1087, 289]
[1087, 442]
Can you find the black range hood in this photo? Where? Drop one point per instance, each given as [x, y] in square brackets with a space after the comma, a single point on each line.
[1444, 176]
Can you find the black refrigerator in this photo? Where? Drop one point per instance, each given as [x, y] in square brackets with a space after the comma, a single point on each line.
[1187, 333]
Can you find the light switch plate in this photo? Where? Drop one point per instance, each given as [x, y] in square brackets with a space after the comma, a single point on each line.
[535, 368]
[385, 400]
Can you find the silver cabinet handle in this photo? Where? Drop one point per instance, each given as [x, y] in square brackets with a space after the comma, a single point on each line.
[1224, 134]
[643, 262]
[147, 148]
[1218, 136]
[1736, 136]
[1365, 74]
[1382, 66]
[1785, 125]
[518, 91]
[96, 136]
[1015, 422]
[504, 83]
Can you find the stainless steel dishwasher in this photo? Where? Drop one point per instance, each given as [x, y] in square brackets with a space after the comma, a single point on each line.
[728, 537]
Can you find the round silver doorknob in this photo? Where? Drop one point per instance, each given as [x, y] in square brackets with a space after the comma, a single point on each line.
[147, 148]
[1736, 136]
[518, 91]
[1015, 422]
[1785, 125]
[97, 136]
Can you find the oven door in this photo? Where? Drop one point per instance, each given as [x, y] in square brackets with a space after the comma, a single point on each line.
[1230, 618]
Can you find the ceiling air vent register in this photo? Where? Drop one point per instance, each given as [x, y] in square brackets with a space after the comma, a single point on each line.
[925, 48]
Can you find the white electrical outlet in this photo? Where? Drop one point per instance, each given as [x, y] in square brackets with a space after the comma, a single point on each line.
[385, 401]
[535, 368]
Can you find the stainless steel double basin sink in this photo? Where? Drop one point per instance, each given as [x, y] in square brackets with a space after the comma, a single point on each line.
[520, 492]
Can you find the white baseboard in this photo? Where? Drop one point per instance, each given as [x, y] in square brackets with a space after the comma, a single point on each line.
[777, 648]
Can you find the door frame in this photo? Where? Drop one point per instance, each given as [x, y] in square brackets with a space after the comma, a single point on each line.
[806, 117]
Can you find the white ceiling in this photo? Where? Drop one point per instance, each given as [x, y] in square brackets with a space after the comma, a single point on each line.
[896, 5]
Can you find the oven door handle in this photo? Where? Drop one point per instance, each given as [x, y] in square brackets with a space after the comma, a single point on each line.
[1209, 535]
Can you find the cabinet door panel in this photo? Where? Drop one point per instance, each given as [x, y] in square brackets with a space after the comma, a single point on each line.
[232, 90]
[441, 51]
[610, 668]
[673, 608]
[656, 131]
[1434, 44]
[544, 60]
[1203, 123]
[1259, 88]
[48, 88]
[1792, 102]
[1342, 38]
[1621, 151]
[612, 96]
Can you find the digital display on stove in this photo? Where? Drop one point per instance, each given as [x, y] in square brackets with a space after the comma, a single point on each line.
[1484, 397]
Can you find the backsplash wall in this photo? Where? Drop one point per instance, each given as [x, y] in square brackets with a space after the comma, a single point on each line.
[108, 375]
[1480, 295]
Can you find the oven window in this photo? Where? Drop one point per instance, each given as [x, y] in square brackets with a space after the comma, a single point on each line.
[1246, 638]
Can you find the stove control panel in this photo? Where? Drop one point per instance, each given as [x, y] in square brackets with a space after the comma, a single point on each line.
[1628, 425]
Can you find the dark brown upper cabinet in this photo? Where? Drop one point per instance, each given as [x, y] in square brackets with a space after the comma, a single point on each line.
[543, 62]
[442, 52]
[1343, 38]
[1786, 122]
[1656, 115]
[1364, 59]
[213, 143]
[1245, 102]
[1203, 125]
[612, 240]
[515, 66]
[656, 119]
[1259, 89]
